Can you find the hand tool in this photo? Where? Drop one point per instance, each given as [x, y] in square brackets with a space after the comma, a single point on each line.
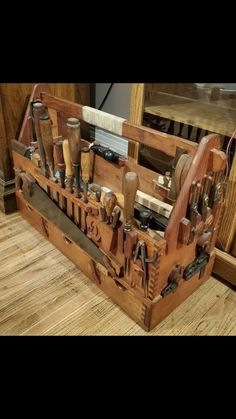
[144, 218]
[98, 196]
[47, 139]
[108, 154]
[36, 197]
[141, 252]
[69, 169]
[85, 168]
[130, 187]
[22, 149]
[61, 169]
[204, 199]
[60, 162]
[109, 202]
[116, 218]
[38, 110]
[74, 138]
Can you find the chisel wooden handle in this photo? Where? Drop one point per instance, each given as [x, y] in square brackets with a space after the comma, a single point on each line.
[85, 168]
[130, 186]
[60, 161]
[38, 110]
[74, 138]
[67, 158]
[69, 170]
[47, 139]
[85, 164]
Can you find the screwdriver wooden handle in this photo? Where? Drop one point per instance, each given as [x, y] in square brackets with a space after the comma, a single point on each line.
[109, 202]
[74, 138]
[67, 158]
[85, 164]
[130, 187]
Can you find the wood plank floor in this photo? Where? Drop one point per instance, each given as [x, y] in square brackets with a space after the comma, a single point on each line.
[43, 293]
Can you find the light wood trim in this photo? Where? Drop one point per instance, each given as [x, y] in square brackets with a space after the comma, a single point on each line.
[136, 116]
[225, 266]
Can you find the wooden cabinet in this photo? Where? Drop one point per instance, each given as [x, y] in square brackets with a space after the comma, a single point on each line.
[14, 98]
[192, 110]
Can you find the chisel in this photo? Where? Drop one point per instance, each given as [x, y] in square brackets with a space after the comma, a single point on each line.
[61, 169]
[47, 139]
[130, 187]
[74, 138]
[38, 110]
[69, 169]
[85, 169]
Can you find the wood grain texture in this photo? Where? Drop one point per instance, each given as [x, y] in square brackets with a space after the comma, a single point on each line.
[136, 115]
[208, 116]
[225, 266]
[228, 223]
[43, 293]
[5, 153]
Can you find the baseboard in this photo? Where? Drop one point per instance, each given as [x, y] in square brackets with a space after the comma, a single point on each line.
[7, 196]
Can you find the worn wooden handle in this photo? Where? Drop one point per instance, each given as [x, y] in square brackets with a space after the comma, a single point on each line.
[85, 164]
[74, 138]
[109, 202]
[67, 158]
[59, 158]
[59, 152]
[130, 187]
[47, 138]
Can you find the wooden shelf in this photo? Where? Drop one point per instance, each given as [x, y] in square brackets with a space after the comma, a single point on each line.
[208, 116]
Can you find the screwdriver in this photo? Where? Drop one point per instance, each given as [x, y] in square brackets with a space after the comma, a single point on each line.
[85, 168]
[74, 138]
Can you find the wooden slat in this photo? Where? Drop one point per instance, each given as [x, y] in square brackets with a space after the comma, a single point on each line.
[225, 266]
[136, 116]
[152, 138]
[62, 105]
[228, 224]
[158, 140]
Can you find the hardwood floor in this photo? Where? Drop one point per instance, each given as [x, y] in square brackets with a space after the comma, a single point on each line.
[43, 293]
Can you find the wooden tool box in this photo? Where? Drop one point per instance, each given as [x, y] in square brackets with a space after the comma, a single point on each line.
[148, 268]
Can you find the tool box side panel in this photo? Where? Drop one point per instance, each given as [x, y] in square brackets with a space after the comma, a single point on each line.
[164, 306]
[129, 302]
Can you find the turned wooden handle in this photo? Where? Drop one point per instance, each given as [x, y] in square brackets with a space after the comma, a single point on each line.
[109, 202]
[59, 158]
[85, 164]
[46, 135]
[130, 187]
[67, 158]
[74, 138]
[38, 110]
